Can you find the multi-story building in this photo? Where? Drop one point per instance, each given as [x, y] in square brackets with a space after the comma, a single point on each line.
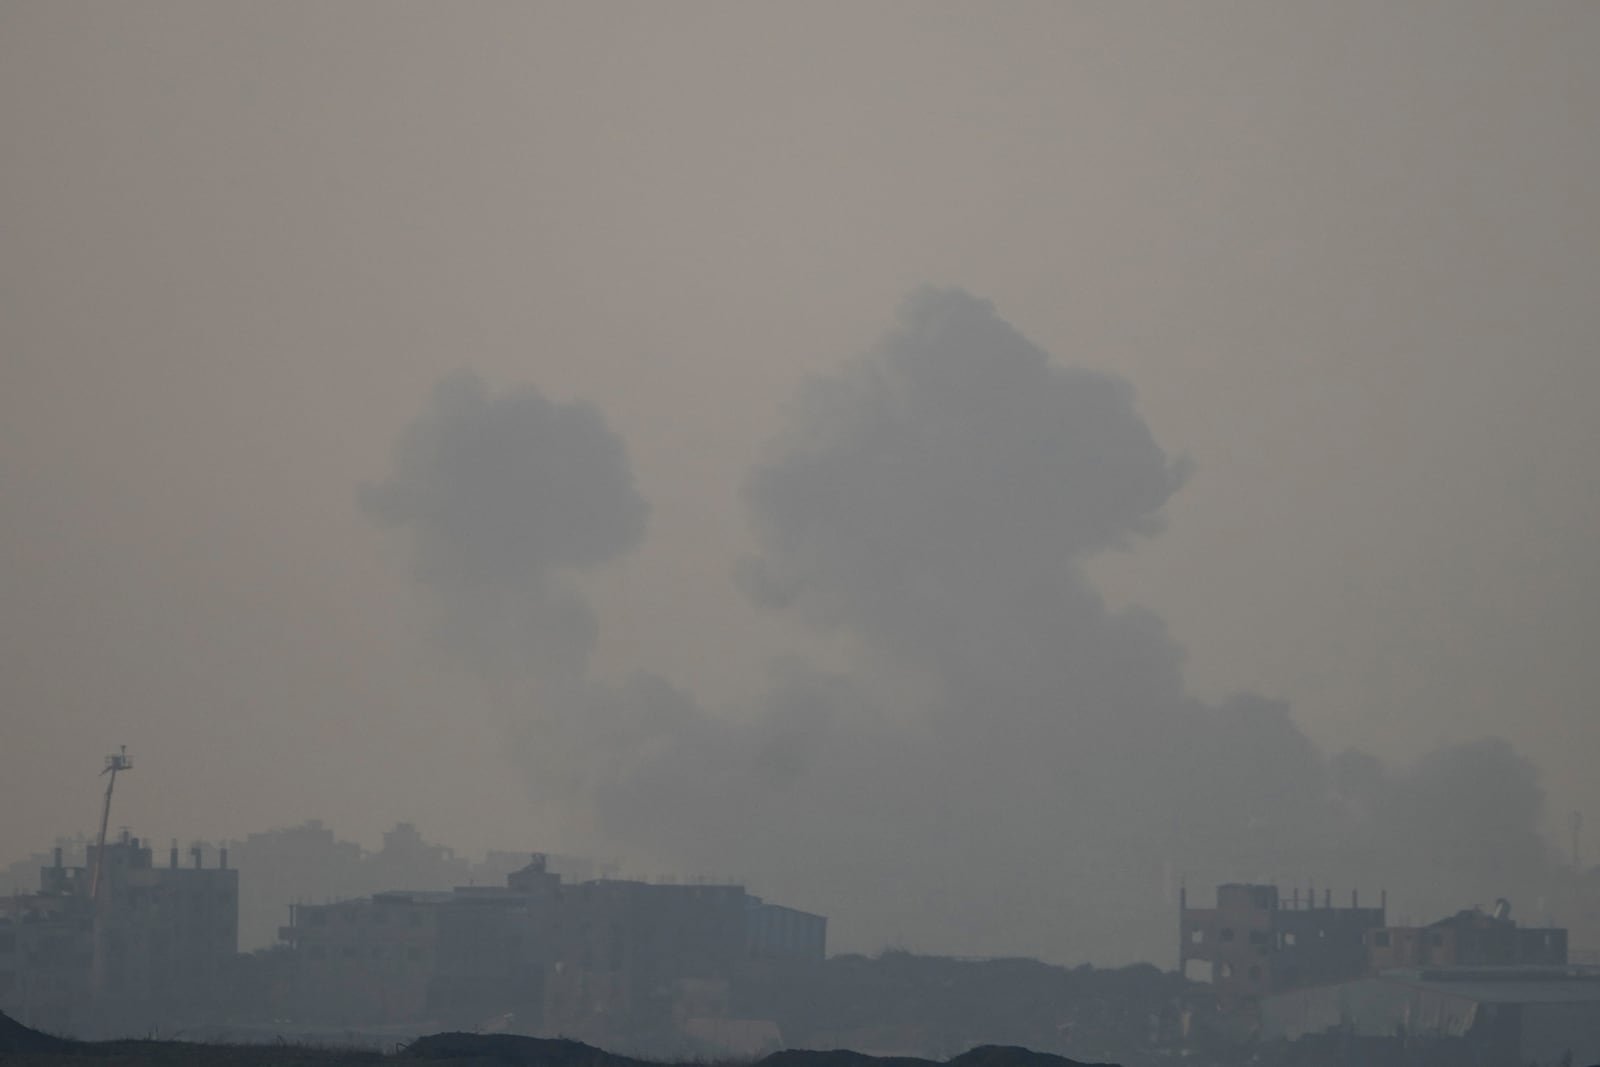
[367, 960]
[596, 959]
[773, 931]
[46, 949]
[1470, 938]
[1259, 944]
[628, 955]
[146, 942]
[1256, 942]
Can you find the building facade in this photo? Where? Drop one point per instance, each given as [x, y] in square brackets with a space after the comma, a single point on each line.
[595, 960]
[147, 941]
[1256, 942]
[1471, 938]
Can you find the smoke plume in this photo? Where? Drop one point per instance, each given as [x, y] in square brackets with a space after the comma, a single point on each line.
[934, 502]
[504, 497]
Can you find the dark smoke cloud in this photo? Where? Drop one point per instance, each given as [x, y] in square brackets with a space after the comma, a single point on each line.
[503, 497]
[1050, 779]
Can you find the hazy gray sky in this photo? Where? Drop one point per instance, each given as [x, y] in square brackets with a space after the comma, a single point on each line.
[1345, 254]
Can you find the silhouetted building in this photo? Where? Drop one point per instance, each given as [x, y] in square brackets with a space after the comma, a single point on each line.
[158, 941]
[1470, 1015]
[776, 932]
[598, 960]
[627, 955]
[1471, 938]
[1257, 943]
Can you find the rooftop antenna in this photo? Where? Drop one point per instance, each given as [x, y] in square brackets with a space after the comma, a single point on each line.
[114, 763]
[1577, 827]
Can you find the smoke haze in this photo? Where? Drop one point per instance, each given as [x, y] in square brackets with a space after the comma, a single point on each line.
[502, 497]
[1249, 534]
[935, 500]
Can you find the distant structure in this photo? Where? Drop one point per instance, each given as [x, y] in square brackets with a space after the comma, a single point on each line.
[1256, 942]
[1471, 938]
[91, 950]
[1259, 945]
[117, 938]
[1498, 1014]
[593, 960]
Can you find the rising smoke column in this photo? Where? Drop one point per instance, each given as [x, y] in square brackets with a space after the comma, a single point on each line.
[1009, 765]
[504, 497]
[937, 500]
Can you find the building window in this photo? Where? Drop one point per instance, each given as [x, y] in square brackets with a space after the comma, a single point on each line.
[1227, 934]
[414, 955]
[1255, 974]
[1381, 939]
[1288, 939]
[1258, 937]
[1197, 936]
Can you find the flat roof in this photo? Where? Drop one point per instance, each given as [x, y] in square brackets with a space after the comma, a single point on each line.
[1512, 985]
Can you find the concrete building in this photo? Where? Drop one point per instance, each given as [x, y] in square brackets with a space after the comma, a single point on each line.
[46, 951]
[601, 960]
[363, 961]
[156, 943]
[775, 932]
[1470, 1015]
[1255, 942]
[454, 957]
[1471, 938]
[636, 958]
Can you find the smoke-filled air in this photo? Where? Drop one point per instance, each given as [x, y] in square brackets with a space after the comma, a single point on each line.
[1001, 741]
[711, 527]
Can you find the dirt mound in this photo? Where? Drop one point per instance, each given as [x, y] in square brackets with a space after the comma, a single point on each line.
[514, 1050]
[16, 1039]
[838, 1058]
[1014, 1056]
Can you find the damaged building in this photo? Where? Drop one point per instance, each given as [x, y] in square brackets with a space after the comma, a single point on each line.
[1469, 938]
[1255, 941]
[1472, 987]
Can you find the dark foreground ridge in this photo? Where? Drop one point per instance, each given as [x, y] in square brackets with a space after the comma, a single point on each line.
[17, 1040]
[24, 1046]
[515, 1050]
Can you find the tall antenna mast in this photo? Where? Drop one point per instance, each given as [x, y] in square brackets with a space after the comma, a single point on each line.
[114, 763]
